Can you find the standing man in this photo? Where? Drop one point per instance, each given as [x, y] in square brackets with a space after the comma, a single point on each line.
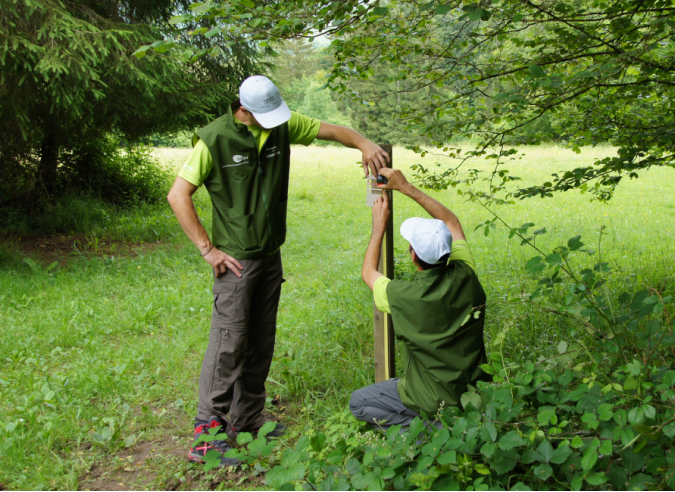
[243, 159]
[438, 316]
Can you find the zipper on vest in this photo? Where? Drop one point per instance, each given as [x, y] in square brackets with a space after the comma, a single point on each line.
[262, 190]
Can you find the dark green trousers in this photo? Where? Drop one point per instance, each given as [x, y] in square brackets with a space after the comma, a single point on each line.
[241, 344]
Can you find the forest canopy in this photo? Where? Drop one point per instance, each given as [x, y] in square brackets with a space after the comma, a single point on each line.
[505, 73]
[72, 92]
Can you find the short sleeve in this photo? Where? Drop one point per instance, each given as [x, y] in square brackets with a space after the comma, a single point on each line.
[198, 166]
[461, 252]
[380, 294]
[302, 129]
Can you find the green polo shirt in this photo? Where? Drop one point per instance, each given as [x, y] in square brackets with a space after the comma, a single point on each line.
[302, 129]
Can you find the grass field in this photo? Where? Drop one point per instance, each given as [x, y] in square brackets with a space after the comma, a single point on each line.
[101, 354]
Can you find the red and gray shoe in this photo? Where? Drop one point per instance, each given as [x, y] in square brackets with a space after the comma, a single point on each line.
[278, 431]
[199, 449]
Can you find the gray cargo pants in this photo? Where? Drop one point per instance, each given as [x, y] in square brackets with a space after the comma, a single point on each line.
[380, 405]
[241, 344]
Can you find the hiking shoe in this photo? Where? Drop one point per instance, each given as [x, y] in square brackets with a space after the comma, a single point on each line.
[278, 431]
[199, 449]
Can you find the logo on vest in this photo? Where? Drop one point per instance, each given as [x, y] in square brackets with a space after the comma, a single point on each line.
[238, 160]
[272, 151]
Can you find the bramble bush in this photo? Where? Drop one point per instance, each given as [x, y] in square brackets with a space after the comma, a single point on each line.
[595, 412]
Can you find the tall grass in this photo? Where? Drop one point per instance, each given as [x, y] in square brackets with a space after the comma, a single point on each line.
[117, 343]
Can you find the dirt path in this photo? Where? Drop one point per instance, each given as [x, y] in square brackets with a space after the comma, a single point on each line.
[62, 248]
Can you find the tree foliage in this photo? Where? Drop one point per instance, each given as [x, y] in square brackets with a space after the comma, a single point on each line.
[603, 71]
[69, 78]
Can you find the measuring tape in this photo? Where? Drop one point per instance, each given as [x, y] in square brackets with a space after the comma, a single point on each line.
[385, 338]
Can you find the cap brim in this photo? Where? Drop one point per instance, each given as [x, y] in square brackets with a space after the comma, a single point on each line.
[273, 118]
[408, 227]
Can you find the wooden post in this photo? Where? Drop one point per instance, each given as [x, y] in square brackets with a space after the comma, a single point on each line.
[385, 343]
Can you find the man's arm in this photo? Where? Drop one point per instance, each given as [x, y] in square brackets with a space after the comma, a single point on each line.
[369, 272]
[397, 181]
[180, 199]
[373, 155]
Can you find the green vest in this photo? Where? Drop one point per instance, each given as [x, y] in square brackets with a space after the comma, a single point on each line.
[439, 319]
[248, 189]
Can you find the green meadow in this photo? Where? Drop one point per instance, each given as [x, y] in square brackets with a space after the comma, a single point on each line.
[101, 353]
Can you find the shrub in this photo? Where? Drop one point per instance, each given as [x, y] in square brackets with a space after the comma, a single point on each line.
[595, 412]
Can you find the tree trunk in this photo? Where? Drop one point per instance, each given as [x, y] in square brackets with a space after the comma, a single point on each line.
[49, 161]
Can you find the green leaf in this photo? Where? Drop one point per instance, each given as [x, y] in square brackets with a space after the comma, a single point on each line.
[267, 427]
[212, 460]
[443, 9]
[543, 471]
[244, 437]
[353, 466]
[620, 417]
[669, 430]
[575, 243]
[535, 265]
[520, 486]
[589, 458]
[606, 447]
[649, 411]
[605, 412]
[562, 347]
[247, 3]
[545, 451]
[545, 416]
[361, 481]
[529, 456]
[488, 432]
[639, 482]
[636, 415]
[510, 440]
[561, 454]
[449, 457]
[380, 10]
[503, 465]
[577, 482]
[488, 449]
[471, 398]
[597, 478]
[317, 441]
[537, 71]
[280, 474]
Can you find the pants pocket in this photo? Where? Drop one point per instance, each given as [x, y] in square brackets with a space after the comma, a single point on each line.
[225, 302]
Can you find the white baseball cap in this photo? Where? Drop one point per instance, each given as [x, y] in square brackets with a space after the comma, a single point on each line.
[430, 238]
[261, 97]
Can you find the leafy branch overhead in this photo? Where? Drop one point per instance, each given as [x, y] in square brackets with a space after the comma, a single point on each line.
[598, 72]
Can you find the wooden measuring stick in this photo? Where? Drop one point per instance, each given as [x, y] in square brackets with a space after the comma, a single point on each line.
[385, 343]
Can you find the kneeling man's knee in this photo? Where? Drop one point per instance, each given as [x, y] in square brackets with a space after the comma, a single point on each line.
[356, 403]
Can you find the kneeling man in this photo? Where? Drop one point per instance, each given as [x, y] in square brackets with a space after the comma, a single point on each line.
[438, 316]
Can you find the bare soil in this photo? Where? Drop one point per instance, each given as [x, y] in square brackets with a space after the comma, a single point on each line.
[160, 463]
[46, 249]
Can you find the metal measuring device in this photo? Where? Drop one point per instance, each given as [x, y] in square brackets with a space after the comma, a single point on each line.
[372, 191]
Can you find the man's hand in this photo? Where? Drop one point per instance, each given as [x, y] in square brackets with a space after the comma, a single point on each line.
[380, 214]
[373, 157]
[221, 262]
[395, 179]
